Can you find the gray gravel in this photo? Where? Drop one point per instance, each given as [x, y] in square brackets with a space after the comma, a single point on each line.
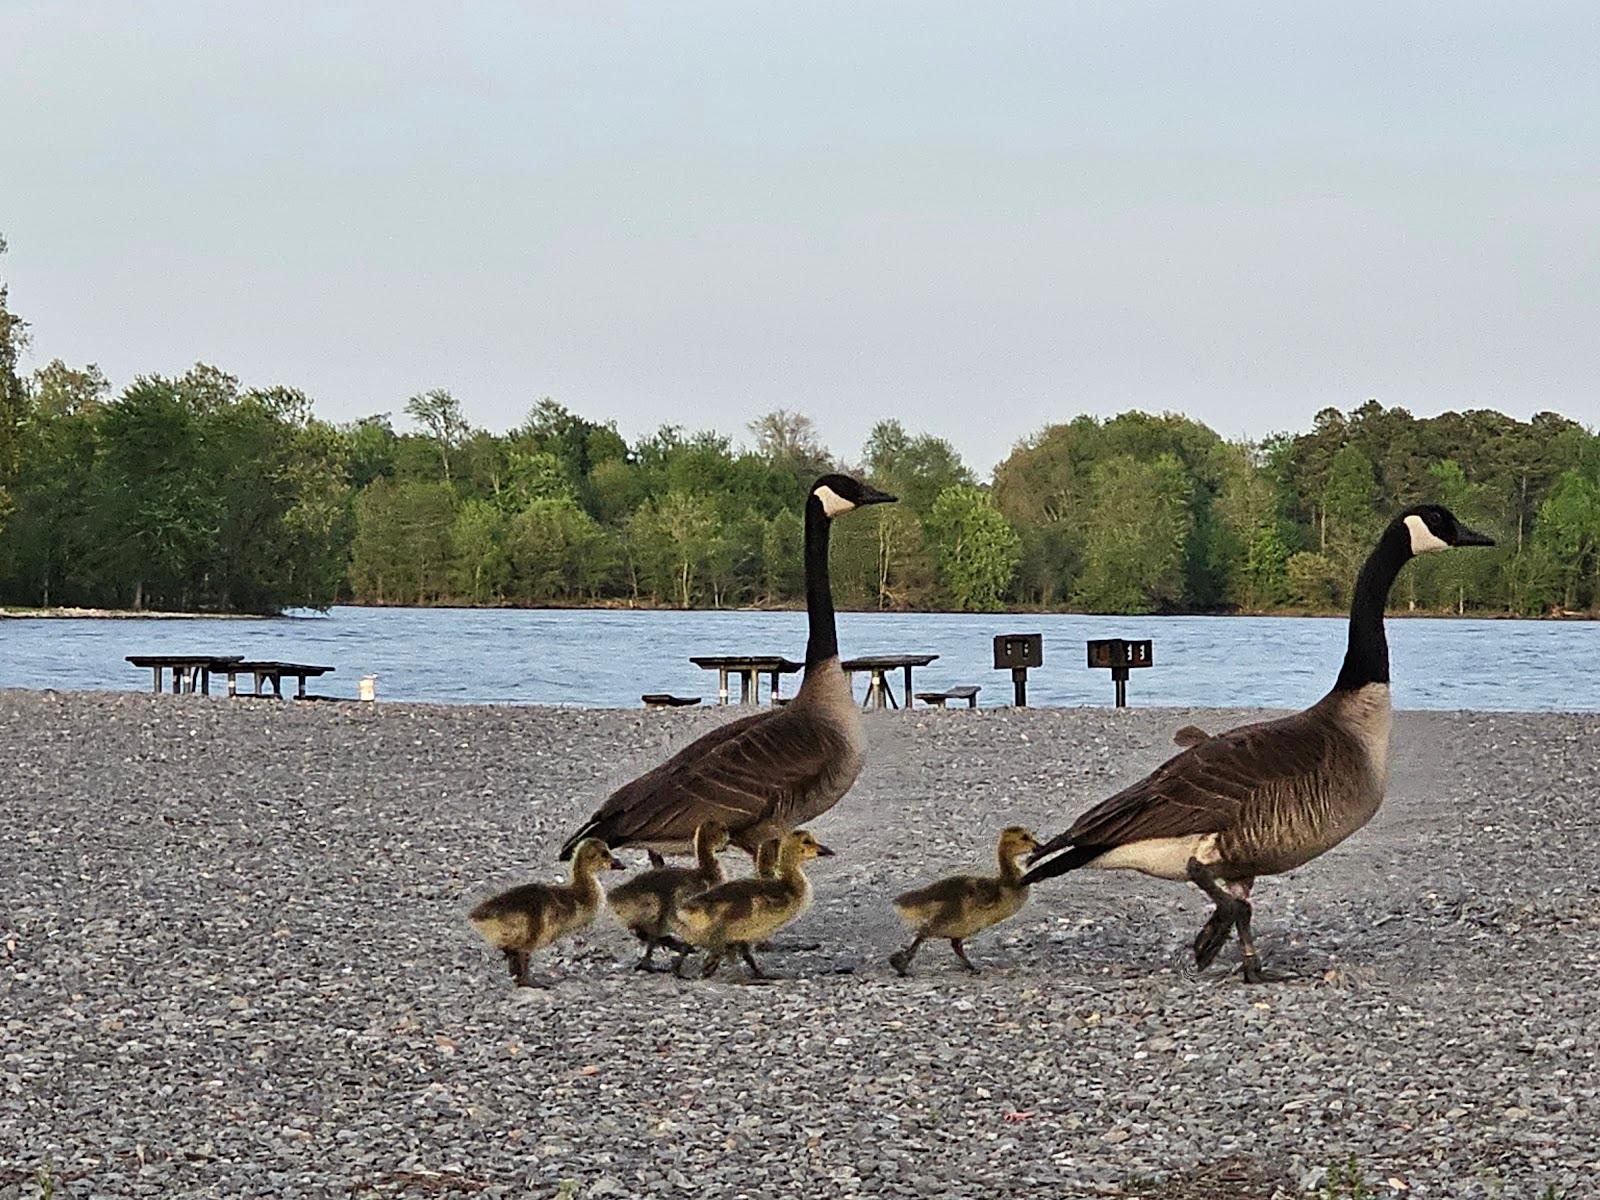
[234, 961]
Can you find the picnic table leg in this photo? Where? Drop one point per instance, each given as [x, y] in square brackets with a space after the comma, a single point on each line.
[722, 685]
[744, 686]
[888, 693]
[908, 687]
[205, 681]
[774, 696]
[156, 671]
[301, 693]
[232, 684]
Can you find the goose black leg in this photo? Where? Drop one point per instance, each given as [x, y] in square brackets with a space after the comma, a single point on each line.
[656, 859]
[650, 945]
[900, 960]
[519, 967]
[961, 953]
[1213, 935]
[1253, 972]
[750, 961]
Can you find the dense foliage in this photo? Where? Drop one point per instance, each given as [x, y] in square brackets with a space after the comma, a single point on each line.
[196, 493]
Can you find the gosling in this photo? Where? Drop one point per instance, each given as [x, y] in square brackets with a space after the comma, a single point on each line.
[962, 905]
[645, 903]
[738, 914]
[530, 917]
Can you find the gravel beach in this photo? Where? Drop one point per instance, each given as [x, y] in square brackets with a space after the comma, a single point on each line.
[234, 961]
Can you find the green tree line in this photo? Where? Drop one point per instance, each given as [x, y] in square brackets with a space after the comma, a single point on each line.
[196, 493]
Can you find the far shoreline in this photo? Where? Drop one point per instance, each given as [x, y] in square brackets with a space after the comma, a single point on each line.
[70, 612]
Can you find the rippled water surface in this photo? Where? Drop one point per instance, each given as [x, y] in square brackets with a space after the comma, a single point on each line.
[608, 658]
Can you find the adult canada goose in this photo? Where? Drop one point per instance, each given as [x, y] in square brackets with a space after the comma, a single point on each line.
[761, 775]
[959, 906]
[530, 917]
[1266, 798]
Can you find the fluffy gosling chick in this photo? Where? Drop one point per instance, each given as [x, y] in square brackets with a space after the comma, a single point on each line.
[530, 917]
[962, 905]
[738, 914]
[1190, 735]
[645, 904]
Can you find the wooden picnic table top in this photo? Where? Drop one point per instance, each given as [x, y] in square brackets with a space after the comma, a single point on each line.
[182, 660]
[272, 667]
[886, 662]
[747, 662]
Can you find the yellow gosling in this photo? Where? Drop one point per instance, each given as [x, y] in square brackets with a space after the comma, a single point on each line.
[532, 916]
[646, 903]
[963, 905]
[741, 913]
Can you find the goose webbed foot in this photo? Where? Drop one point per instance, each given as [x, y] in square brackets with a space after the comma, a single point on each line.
[1254, 972]
[900, 960]
[1213, 936]
[750, 961]
[961, 953]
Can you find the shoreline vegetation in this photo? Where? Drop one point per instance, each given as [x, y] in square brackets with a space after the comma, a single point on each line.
[67, 613]
[197, 493]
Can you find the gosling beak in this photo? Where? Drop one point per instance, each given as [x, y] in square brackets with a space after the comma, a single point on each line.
[871, 495]
[823, 851]
[1471, 537]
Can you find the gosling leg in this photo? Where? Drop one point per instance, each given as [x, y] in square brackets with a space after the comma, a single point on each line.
[521, 971]
[961, 953]
[713, 961]
[900, 960]
[511, 961]
[650, 944]
[677, 963]
[750, 961]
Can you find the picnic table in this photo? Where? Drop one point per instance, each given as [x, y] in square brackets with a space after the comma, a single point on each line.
[188, 670]
[272, 672]
[878, 666]
[749, 668]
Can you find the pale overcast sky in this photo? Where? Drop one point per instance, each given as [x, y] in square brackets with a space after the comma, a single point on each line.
[976, 217]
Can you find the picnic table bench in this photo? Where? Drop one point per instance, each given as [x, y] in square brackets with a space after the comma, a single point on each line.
[878, 666]
[937, 699]
[188, 670]
[273, 672]
[749, 668]
[668, 700]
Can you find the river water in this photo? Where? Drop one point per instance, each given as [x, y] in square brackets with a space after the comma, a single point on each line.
[607, 658]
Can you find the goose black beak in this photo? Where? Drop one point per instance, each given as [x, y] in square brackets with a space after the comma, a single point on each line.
[871, 495]
[1471, 537]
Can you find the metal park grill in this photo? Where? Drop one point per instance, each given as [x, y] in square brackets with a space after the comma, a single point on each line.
[1019, 651]
[1119, 656]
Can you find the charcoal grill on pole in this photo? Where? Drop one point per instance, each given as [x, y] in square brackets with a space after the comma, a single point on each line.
[1119, 656]
[1019, 651]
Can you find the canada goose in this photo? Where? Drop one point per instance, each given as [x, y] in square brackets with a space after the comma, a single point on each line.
[1266, 798]
[959, 906]
[745, 911]
[530, 917]
[646, 902]
[764, 774]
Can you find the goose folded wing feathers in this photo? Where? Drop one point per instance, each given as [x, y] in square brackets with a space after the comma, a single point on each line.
[1206, 788]
[740, 774]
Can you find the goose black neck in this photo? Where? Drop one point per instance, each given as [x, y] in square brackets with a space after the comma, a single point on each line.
[1367, 658]
[822, 643]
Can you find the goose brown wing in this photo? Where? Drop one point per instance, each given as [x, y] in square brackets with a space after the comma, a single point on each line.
[738, 774]
[1205, 788]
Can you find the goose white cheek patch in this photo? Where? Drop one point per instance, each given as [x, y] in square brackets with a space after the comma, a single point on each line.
[832, 503]
[1423, 539]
